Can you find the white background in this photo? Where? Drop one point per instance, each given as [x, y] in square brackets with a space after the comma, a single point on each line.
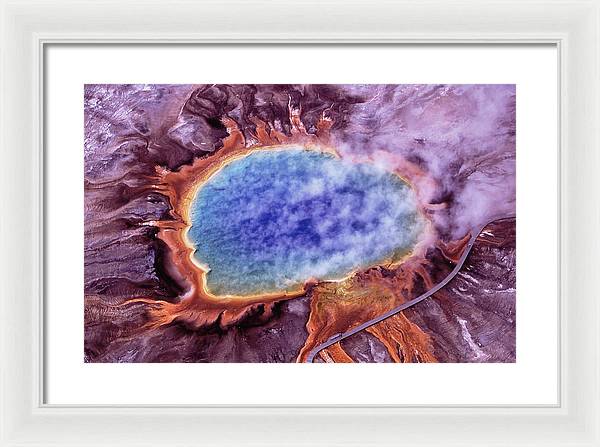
[532, 380]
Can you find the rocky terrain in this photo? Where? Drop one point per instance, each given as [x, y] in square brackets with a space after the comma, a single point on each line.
[143, 144]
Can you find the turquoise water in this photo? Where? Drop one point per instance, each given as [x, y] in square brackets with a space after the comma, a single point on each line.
[272, 220]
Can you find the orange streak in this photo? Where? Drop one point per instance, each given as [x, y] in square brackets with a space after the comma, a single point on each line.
[405, 341]
[335, 354]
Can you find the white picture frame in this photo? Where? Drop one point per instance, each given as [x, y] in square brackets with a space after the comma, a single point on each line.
[28, 26]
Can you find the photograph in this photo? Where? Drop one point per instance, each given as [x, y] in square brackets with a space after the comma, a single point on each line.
[299, 223]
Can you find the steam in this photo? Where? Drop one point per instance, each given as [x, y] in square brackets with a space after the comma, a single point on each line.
[461, 135]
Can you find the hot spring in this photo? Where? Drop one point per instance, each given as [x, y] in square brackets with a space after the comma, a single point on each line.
[271, 220]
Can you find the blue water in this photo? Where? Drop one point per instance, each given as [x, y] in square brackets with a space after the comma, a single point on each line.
[273, 219]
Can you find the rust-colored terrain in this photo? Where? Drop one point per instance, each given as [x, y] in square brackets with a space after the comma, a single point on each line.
[149, 148]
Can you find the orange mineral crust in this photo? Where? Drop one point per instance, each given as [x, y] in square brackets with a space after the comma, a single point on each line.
[149, 150]
[197, 307]
[337, 308]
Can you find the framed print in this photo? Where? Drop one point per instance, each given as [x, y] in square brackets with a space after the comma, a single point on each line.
[324, 237]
